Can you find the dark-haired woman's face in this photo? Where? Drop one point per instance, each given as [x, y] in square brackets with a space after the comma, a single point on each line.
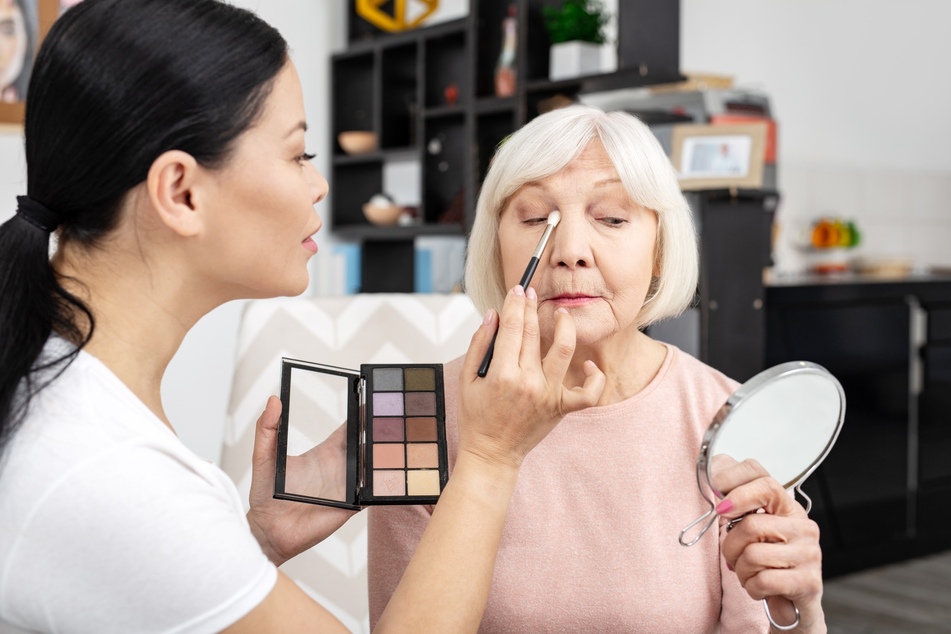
[13, 45]
[263, 219]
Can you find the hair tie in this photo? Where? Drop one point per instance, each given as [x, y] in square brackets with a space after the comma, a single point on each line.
[38, 214]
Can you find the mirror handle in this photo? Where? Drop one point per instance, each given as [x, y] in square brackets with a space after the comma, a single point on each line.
[808, 504]
[776, 625]
[694, 523]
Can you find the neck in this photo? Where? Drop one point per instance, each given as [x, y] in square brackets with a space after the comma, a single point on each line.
[143, 308]
[629, 360]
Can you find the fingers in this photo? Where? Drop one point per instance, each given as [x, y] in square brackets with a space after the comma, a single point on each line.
[265, 437]
[586, 395]
[508, 338]
[531, 341]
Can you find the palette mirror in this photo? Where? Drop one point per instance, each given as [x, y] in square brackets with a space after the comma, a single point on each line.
[390, 421]
[787, 418]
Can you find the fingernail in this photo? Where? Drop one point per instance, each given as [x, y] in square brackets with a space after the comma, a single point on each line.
[562, 310]
[724, 507]
[530, 293]
[487, 320]
[729, 567]
[518, 290]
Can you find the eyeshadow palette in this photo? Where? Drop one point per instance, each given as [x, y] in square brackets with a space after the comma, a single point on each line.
[395, 434]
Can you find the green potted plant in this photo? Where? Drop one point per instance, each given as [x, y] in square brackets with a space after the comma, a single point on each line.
[576, 32]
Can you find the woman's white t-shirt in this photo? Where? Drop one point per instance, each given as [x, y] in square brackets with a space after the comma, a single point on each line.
[108, 523]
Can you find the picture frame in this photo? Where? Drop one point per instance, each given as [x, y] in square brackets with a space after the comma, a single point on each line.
[37, 17]
[719, 156]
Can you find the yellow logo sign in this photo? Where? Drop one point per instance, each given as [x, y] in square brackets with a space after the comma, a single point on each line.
[370, 10]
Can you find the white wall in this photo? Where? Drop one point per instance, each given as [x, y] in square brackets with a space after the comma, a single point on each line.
[855, 84]
[858, 89]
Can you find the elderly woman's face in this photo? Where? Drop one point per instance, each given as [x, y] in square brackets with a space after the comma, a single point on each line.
[599, 260]
[13, 44]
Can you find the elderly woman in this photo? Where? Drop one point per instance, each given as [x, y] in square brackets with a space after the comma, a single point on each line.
[590, 541]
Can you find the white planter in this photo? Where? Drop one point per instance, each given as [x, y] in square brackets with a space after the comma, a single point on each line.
[573, 59]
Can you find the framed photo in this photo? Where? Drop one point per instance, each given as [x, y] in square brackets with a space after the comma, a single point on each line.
[716, 156]
[23, 25]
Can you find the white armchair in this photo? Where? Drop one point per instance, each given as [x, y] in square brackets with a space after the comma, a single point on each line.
[341, 331]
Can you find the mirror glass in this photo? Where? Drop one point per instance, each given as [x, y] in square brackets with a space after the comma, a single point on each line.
[315, 407]
[787, 422]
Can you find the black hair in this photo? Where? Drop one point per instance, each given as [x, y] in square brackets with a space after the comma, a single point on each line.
[115, 84]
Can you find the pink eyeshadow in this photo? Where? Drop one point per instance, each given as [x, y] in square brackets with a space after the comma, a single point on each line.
[389, 482]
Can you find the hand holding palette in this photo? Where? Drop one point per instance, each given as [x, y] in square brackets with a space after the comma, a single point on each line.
[395, 434]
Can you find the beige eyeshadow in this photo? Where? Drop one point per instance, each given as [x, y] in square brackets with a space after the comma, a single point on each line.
[389, 482]
[422, 482]
[422, 455]
[388, 456]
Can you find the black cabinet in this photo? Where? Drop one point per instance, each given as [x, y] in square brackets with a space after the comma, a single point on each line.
[429, 94]
[884, 492]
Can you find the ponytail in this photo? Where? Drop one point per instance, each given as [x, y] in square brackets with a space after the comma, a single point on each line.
[32, 305]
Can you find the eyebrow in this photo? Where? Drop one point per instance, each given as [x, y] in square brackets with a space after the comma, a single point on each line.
[301, 125]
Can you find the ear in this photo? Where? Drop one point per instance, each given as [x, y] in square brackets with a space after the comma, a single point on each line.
[170, 182]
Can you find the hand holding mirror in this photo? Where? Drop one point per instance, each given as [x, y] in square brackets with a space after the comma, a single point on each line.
[787, 419]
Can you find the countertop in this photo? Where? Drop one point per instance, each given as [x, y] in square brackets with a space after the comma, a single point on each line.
[929, 285]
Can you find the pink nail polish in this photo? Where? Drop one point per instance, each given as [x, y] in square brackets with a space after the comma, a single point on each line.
[724, 507]
[530, 293]
[488, 318]
[518, 290]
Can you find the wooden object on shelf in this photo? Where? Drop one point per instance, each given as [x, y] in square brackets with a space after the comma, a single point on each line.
[357, 142]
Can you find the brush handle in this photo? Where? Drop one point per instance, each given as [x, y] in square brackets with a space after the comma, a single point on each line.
[526, 280]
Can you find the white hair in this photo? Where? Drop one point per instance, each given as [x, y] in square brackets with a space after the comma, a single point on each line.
[548, 144]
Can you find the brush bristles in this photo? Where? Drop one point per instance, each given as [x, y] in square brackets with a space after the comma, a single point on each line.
[554, 218]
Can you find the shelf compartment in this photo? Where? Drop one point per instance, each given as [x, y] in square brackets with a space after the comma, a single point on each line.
[400, 107]
[446, 62]
[444, 170]
[353, 94]
[353, 185]
[491, 128]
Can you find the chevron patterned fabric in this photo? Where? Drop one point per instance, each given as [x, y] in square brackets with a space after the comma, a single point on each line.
[342, 331]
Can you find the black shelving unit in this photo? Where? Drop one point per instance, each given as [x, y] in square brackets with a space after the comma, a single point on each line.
[396, 85]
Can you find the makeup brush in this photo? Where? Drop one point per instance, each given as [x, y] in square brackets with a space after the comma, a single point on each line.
[553, 219]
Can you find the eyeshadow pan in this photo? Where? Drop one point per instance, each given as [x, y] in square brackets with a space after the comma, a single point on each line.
[387, 380]
[422, 482]
[422, 455]
[391, 483]
[389, 403]
[420, 429]
[388, 456]
[387, 430]
[420, 380]
[420, 403]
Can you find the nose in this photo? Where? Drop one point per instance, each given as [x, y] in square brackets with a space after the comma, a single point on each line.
[318, 185]
[570, 246]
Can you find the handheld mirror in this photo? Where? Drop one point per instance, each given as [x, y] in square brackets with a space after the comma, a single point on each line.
[787, 418]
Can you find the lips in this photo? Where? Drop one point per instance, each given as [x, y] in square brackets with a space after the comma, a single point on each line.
[571, 299]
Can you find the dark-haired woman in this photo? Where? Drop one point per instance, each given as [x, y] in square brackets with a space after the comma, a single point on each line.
[165, 150]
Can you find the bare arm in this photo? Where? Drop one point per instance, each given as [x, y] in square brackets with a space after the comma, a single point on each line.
[501, 418]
